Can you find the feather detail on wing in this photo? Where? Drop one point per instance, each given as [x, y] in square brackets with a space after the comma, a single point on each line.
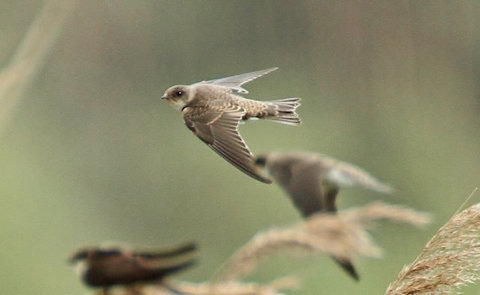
[235, 82]
[175, 251]
[164, 264]
[343, 174]
[219, 130]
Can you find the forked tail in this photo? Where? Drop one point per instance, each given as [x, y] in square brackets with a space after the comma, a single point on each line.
[283, 111]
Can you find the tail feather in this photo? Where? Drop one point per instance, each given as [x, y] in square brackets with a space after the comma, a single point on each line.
[348, 267]
[283, 111]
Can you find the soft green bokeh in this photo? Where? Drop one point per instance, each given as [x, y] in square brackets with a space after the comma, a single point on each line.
[94, 155]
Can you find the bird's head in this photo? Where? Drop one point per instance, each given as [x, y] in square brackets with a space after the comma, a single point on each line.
[83, 258]
[79, 256]
[178, 95]
[80, 260]
[261, 160]
[264, 161]
[277, 165]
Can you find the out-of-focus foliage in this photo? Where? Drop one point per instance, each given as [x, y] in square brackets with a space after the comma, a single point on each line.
[93, 154]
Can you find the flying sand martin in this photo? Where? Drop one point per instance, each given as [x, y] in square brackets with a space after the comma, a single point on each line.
[213, 109]
[107, 266]
[312, 181]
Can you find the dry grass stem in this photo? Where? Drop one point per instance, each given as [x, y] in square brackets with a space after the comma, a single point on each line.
[381, 211]
[342, 235]
[226, 288]
[30, 55]
[238, 288]
[448, 261]
[269, 243]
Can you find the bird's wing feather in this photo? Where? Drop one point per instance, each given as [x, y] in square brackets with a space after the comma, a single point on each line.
[235, 82]
[219, 130]
[176, 251]
[344, 174]
[164, 264]
[306, 190]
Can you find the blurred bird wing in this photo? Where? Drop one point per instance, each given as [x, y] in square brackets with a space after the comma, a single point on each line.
[164, 265]
[219, 130]
[307, 191]
[343, 174]
[235, 82]
[175, 251]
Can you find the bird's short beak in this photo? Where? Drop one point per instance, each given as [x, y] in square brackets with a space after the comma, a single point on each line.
[164, 97]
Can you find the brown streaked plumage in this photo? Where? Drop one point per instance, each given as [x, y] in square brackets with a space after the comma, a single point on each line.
[312, 181]
[118, 265]
[213, 109]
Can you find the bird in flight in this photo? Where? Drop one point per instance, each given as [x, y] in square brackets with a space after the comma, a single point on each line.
[104, 267]
[213, 109]
[312, 181]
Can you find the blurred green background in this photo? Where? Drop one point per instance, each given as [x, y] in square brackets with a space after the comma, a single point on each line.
[92, 153]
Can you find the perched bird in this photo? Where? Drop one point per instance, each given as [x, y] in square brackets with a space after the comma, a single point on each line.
[312, 181]
[105, 267]
[213, 109]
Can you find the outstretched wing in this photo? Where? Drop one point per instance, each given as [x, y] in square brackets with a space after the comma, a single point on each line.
[172, 252]
[342, 174]
[160, 264]
[235, 82]
[306, 190]
[219, 130]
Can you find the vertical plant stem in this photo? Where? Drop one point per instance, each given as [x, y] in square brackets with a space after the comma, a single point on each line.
[30, 55]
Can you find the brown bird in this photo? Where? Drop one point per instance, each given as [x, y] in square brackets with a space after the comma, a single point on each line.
[118, 265]
[213, 109]
[312, 181]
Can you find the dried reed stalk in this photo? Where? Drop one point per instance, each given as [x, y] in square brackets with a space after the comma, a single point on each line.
[448, 261]
[381, 211]
[238, 288]
[342, 235]
[30, 55]
[225, 288]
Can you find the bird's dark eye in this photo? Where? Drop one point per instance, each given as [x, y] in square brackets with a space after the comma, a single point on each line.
[179, 93]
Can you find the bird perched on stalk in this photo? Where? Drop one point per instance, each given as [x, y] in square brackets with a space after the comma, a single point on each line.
[312, 181]
[107, 266]
[213, 109]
